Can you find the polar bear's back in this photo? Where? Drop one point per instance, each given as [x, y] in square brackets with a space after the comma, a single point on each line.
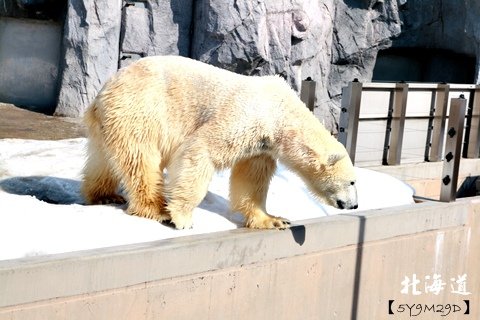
[172, 90]
[183, 82]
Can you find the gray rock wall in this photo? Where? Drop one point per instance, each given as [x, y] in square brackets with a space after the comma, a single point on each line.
[446, 24]
[275, 37]
[156, 28]
[360, 30]
[442, 24]
[331, 41]
[90, 52]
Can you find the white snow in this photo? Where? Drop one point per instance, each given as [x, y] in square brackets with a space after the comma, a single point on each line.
[42, 212]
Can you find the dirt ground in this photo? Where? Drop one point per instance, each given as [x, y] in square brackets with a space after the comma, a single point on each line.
[20, 123]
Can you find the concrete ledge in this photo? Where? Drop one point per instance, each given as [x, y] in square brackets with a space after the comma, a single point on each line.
[425, 177]
[42, 278]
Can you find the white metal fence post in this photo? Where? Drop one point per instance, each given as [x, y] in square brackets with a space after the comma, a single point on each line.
[350, 112]
[398, 108]
[453, 147]
[473, 147]
[438, 123]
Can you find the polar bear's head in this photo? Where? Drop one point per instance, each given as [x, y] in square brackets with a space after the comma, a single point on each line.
[334, 182]
[327, 170]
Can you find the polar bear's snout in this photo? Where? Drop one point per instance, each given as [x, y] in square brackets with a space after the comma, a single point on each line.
[345, 205]
[348, 200]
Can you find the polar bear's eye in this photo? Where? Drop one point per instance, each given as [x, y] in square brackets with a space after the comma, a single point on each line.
[352, 183]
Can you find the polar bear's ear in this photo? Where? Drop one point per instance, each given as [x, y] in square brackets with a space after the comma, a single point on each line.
[334, 158]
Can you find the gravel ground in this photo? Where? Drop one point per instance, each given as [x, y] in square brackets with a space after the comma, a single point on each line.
[23, 124]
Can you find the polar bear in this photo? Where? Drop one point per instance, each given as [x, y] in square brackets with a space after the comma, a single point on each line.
[191, 118]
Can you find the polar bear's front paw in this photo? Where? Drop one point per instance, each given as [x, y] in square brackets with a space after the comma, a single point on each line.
[267, 221]
[182, 221]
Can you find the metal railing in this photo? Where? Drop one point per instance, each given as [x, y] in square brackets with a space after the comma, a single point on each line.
[349, 118]
[437, 124]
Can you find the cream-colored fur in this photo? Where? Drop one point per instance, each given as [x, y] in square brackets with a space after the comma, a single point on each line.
[192, 119]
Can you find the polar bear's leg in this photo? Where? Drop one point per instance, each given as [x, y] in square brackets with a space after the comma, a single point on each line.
[249, 183]
[100, 183]
[140, 167]
[189, 176]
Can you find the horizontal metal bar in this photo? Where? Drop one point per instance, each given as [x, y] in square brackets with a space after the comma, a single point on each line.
[457, 86]
[386, 118]
[379, 86]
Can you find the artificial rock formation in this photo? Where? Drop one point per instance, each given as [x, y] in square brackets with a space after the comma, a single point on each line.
[331, 41]
[90, 52]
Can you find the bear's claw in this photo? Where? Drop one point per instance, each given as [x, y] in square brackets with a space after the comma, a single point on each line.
[282, 224]
[268, 222]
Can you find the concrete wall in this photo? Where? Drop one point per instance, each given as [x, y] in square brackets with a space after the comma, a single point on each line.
[340, 267]
[425, 177]
[29, 57]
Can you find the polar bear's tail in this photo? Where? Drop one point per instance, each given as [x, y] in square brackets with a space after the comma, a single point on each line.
[99, 180]
[92, 120]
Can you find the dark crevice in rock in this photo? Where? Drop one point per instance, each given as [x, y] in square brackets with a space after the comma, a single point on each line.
[191, 31]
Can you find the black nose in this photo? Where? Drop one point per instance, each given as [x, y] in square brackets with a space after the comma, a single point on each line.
[342, 205]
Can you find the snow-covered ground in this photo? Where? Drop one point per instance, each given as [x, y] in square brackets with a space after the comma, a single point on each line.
[42, 212]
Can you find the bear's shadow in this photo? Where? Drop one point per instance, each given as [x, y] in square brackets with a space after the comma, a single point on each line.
[64, 191]
[48, 189]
